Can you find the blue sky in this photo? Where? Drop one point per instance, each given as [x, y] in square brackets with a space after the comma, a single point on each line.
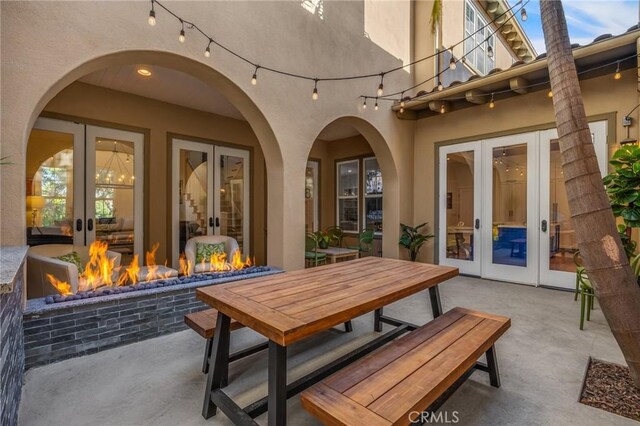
[586, 19]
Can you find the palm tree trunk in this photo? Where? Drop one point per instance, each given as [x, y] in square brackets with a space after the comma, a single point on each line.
[598, 241]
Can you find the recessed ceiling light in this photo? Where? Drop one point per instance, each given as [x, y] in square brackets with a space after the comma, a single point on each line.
[144, 72]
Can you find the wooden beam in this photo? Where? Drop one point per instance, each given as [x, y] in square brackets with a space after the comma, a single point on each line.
[476, 96]
[517, 44]
[501, 19]
[519, 85]
[511, 36]
[492, 6]
[436, 106]
[507, 29]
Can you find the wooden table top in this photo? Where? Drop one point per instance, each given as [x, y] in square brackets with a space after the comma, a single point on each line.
[293, 305]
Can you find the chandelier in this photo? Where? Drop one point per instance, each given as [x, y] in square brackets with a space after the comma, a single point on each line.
[116, 173]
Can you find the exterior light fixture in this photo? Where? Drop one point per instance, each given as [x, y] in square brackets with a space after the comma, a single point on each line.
[376, 105]
[523, 14]
[550, 94]
[440, 87]
[152, 16]
[490, 51]
[492, 104]
[617, 75]
[314, 95]
[207, 51]
[442, 110]
[364, 104]
[452, 63]
[254, 78]
[144, 72]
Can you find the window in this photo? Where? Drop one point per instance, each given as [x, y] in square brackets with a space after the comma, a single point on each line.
[372, 178]
[54, 192]
[347, 194]
[104, 202]
[476, 46]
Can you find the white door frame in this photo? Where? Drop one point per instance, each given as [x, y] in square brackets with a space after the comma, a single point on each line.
[177, 145]
[77, 130]
[519, 274]
[246, 219]
[465, 266]
[92, 133]
[550, 277]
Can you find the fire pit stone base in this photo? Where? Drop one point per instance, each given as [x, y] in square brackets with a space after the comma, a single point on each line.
[76, 327]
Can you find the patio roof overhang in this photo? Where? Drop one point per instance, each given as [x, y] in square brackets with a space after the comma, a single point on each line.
[522, 78]
[512, 32]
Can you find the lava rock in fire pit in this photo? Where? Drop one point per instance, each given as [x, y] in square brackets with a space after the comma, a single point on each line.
[48, 300]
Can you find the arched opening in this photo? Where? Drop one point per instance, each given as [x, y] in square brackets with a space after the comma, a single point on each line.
[350, 182]
[138, 148]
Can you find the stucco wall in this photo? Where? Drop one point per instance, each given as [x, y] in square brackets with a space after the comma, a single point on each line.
[601, 95]
[48, 45]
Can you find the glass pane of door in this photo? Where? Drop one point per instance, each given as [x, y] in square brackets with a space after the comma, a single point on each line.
[509, 205]
[460, 205]
[233, 192]
[561, 234]
[347, 191]
[311, 197]
[114, 190]
[55, 183]
[193, 186]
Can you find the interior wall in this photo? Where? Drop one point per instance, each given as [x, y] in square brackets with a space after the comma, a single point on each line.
[98, 103]
[602, 96]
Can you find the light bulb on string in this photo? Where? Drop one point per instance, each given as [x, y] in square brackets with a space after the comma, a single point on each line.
[181, 37]
[490, 51]
[376, 105]
[550, 94]
[440, 87]
[207, 51]
[364, 104]
[492, 104]
[617, 75]
[381, 86]
[452, 63]
[442, 110]
[523, 14]
[314, 95]
[152, 16]
[402, 100]
[254, 78]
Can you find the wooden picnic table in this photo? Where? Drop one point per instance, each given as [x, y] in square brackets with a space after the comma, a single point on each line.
[288, 307]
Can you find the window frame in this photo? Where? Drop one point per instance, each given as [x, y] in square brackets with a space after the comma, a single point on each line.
[472, 60]
[356, 163]
[52, 198]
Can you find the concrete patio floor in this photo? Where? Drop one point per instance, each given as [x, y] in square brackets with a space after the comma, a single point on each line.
[542, 359]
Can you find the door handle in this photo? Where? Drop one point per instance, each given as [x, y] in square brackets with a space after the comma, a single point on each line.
[477, 225]
[89, 224]
[544, 226]
[78, 225]
[217, 222]
[211, 222]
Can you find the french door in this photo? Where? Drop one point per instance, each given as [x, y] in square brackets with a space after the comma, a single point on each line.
[210, 193]
[503, 210]
[85, 183]
[311, 197]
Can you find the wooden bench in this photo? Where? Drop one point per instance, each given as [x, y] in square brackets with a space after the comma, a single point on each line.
[394, 384]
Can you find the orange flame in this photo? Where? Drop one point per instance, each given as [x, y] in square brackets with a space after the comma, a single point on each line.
[63, 288]
[186, 268]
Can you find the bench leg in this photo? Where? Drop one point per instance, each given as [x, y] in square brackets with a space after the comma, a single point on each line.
[436, 304]
[219, 362]
[207, 353]
[492, 364]
[377, 324]
[348, 327]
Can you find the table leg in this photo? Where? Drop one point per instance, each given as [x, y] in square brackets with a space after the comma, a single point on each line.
[377, 324]
[277, 398]
[436, 305]
[218, 363]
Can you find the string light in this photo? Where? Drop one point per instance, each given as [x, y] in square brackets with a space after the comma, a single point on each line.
[492, 104]
[207, 51]
[617, 75]
[550, 94]
[490, 51]
[381, 86]
[402, 100]
[523, 14]
[181, 37]
[364, 104]
[452, 63]
[152, 16]
[376, 105]
[254, 79]
[440, 87]
[314, 95]
[442, 108]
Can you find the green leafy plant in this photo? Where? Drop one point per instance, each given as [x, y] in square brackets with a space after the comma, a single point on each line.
[322, 238]
[623, 189]
[623, 185]
[412, 239]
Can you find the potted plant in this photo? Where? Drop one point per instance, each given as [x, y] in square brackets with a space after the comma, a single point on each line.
[412, 239]
[322, 238]
[623, 188]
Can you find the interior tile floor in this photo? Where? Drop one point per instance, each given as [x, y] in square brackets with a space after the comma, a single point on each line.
[542, 359]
